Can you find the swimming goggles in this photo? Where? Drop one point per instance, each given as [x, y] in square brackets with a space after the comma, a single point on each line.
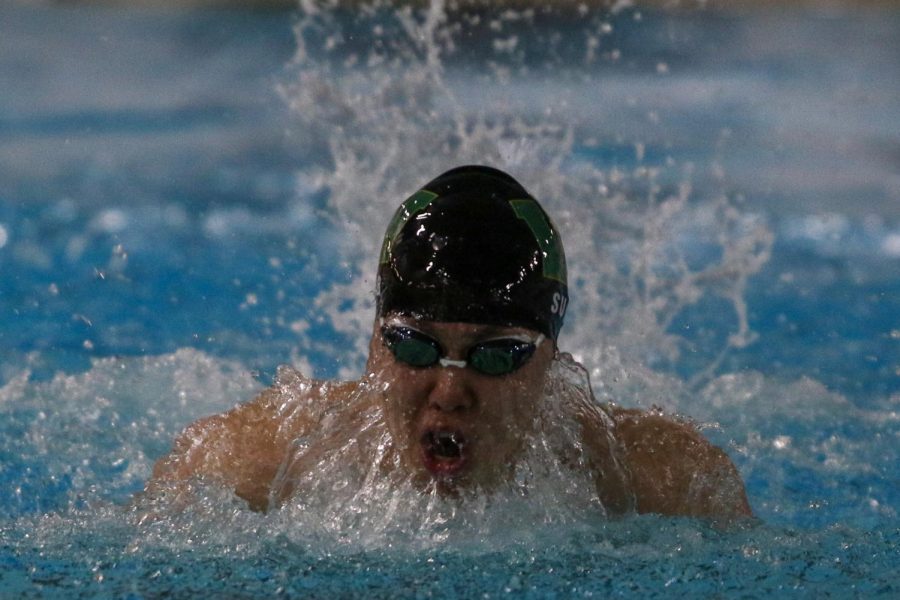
[499, 356]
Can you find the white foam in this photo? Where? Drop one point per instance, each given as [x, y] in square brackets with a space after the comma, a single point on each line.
[102, 429]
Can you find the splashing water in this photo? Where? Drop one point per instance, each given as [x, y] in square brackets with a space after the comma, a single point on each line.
[394, 98]
[338, 472]
[382, 98]
[385, 96]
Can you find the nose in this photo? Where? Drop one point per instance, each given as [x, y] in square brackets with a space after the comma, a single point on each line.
[451, 391]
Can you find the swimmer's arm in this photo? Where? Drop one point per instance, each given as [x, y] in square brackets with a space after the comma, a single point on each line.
[240, 449]
[676, 471]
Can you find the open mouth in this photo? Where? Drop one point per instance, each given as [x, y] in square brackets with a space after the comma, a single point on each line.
[443, 451]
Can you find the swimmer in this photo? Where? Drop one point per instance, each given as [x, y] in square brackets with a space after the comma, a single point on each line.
[471, 295]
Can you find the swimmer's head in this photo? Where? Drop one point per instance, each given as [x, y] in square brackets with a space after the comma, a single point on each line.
[472, 246]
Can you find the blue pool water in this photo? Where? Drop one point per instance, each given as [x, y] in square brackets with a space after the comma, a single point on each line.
[190, 198]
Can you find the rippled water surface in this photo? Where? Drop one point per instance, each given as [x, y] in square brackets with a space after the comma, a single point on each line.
[190, 198]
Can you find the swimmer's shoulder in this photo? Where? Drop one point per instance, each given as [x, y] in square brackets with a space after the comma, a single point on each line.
[243, 448]
[288, 408]
[675, 470]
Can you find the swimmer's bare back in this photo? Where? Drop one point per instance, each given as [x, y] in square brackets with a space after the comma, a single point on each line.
[671, 469]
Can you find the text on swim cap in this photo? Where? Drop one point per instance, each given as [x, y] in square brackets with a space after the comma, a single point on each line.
[559, 305]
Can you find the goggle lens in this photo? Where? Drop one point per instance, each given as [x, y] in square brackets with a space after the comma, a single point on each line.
[415, 352]
[493, 357]
[499, 357]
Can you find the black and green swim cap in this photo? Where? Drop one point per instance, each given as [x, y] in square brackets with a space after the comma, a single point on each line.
[473, 246]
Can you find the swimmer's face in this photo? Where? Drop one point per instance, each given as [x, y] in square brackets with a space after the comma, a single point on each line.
[454, 423]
